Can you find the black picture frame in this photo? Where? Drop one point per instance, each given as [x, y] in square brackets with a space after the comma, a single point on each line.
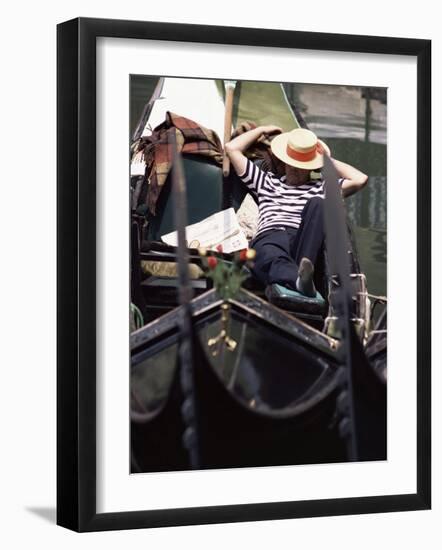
[76, 273]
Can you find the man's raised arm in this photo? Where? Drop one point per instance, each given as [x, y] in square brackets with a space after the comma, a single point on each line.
[354, 179]
[236, 147]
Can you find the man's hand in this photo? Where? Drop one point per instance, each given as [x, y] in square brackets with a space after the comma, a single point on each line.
[245, 140]
[270, 129]
[321, 150]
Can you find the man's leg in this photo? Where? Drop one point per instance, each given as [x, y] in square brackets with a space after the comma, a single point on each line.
[310, 236]
[274, 263]
[306, 244]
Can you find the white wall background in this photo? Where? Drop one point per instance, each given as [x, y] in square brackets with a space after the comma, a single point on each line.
[27, 276]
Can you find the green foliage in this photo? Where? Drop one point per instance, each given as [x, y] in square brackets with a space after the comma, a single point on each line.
[227, 276]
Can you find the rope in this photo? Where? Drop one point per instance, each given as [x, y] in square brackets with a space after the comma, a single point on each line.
[138, 316]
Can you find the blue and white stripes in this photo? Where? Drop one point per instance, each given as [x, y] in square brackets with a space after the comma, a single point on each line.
[280, 204]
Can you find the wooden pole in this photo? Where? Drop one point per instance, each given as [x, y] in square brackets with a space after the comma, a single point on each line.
[228, 113]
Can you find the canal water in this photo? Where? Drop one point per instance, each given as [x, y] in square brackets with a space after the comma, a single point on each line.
[353, 122]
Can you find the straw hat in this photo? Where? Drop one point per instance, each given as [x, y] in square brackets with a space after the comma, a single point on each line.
[300, 148]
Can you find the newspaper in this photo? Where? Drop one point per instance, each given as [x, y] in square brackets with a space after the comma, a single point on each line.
[221, 228]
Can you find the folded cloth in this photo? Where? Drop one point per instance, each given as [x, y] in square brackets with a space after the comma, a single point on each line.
[168, 269]
[192, 138]
[157, 151]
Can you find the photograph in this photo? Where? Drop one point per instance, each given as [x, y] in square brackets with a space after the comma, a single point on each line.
[231, 290]
[258, 273]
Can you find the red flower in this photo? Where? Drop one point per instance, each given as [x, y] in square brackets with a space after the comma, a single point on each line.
[211, 262]
[243, 255]
[219, 248]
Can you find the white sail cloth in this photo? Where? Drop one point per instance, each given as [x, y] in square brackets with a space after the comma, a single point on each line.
[194, 98]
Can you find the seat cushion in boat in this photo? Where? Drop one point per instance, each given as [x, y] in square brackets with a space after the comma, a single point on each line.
[295, 301]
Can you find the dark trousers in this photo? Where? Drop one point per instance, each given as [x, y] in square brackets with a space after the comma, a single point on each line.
[279, 251]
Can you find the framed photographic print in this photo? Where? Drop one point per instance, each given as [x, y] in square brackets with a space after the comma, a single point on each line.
[238, 209]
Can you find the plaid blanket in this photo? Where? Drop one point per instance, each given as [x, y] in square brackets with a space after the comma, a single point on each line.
[191, 138]
[157, 151]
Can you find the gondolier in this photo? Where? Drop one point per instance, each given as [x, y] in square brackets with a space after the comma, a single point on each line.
[290, 227]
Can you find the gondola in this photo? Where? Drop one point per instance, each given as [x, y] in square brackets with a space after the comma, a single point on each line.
[282, 396]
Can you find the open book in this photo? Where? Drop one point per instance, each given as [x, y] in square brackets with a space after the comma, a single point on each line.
[221, 228]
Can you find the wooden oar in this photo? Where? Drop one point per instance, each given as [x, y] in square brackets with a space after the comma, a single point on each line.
[184, 314]
[229, 86]
[337, 247]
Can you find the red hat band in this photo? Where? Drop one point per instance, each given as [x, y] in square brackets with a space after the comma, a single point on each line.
[303, 157]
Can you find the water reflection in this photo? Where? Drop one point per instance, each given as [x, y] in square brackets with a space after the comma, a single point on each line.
[353, 122]
[342, 111]
[368, 208]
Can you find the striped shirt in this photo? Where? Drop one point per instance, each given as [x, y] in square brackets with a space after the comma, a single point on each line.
[280, 204]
